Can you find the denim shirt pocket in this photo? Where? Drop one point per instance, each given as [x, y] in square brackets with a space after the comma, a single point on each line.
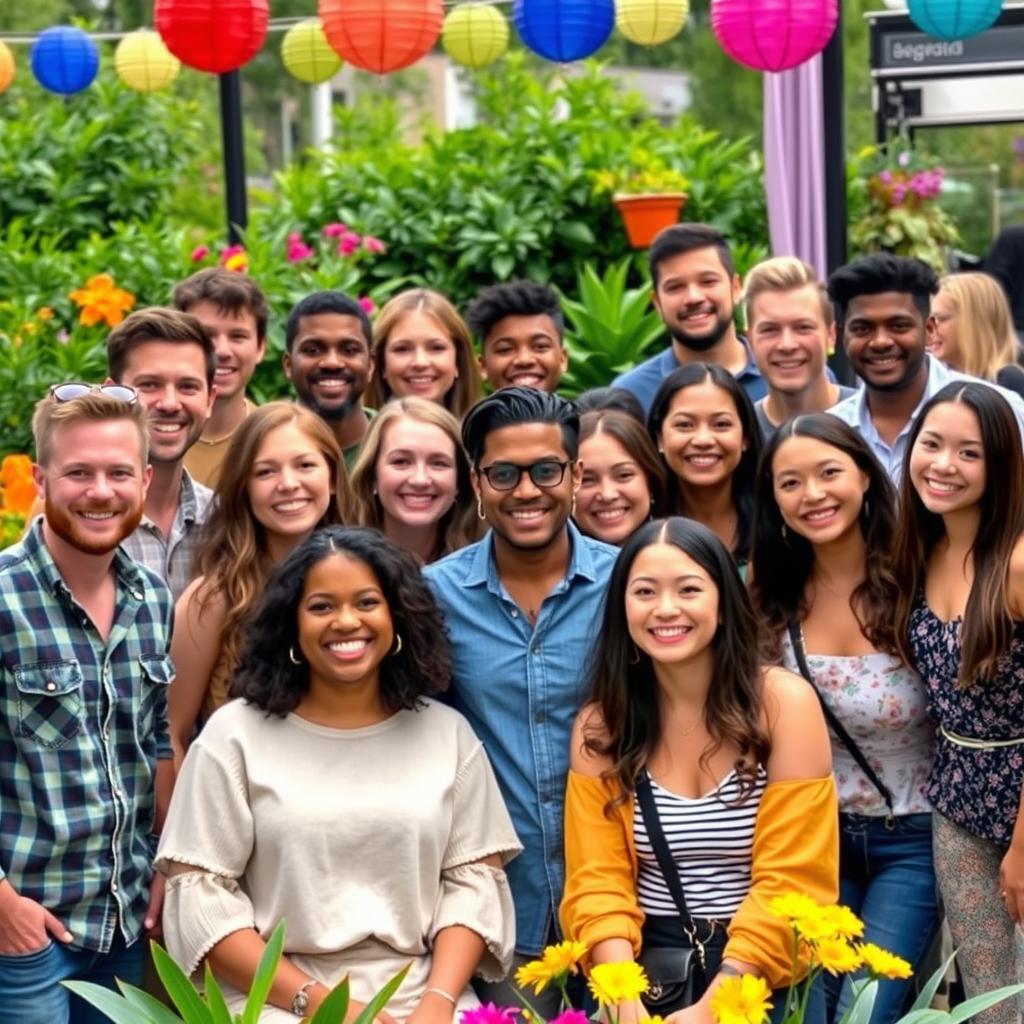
[49, 701]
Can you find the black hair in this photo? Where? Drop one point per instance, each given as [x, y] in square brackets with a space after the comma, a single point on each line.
[882, 272]
[513, 298]
[680, 238]
[326, 302]
[267, 677]
[512, 406]
[621, 678]
[782, 563]
[745, 474]
[619, 399]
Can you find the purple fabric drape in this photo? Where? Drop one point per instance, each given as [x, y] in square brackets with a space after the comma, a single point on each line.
[794, 163]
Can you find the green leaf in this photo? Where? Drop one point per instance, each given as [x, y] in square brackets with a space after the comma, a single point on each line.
[931, 986]
[334, 1008]
[382, 998]
[577, 231]
[114, 1006]
[502, 266]
[179, 988]
[215, 999]
[155, 1010]
[865, 991]
[264, 978]
[967, 1009]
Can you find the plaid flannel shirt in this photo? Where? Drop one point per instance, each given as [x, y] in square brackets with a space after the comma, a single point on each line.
[83, 722]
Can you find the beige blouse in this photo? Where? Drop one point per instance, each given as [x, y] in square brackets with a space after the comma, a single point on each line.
[366, 841]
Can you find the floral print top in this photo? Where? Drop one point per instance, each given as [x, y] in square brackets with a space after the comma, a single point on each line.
[883, 705]
[979, 790]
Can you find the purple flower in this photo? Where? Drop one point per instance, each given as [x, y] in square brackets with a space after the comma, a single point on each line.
[489, 1014]
[335, 230]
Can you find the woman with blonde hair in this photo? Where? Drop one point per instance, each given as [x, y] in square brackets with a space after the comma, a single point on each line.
[422, 348]
[411, 480]
[283, 477]
[970, 329]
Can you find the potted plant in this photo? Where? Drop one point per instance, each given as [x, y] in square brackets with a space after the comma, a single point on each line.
[648, 193]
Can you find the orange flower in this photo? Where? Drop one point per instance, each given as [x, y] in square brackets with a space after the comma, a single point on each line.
[17, 487]
[44, 313]
[101, 300]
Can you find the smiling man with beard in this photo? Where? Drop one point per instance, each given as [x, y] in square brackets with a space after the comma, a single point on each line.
[696, 289]
[328, 359]
[84, 670]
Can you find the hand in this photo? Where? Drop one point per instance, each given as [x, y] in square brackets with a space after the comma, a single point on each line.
[154, 909]
[626, 1013]
[1011, 882]
[696, 1014]
[432, 1009]
[26, 926]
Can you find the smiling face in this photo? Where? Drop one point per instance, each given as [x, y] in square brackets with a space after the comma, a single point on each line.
[329, 364]
[695, 297]
[947, 462]
[290, 486]
[344, 623]
[671, 605]
[527, 517]
[416, 474]
[702, 436]
[614, 496]
[884, 336]
[524, 351]
[943, 340]
[419, 358]
[819, 489]
[790, 338]
[237, 342]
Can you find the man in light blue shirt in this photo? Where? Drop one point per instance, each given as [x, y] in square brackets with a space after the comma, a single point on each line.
[883, 303]
[521, 607]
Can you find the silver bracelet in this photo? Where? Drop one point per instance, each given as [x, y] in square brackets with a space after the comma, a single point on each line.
[447, 995]
[301, 1001]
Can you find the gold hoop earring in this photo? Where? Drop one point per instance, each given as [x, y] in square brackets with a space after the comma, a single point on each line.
[398, 645]
[480, 507]
[292, 658]
[572, 511]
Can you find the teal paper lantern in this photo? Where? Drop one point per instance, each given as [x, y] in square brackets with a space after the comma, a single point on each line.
[954, 19]
[64, 60]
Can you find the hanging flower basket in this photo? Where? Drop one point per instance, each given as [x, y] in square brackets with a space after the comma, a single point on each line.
[647, 213]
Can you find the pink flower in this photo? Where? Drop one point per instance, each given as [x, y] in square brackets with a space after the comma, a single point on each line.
[297, 248]
[335, 230]
[904, 158]
[489, 1014]
[885, 177]
[899, 192]
[371, 244]
[200, 252]
[570, 1017]
[231, 250]
[63, 337]
[369, 306]
[349, 243]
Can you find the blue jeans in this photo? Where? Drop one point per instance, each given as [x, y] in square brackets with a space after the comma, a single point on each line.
[30, 989]
[887, 878]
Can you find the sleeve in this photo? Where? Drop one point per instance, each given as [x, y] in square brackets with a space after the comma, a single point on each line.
[472, 894]
[600, 879]
[160, 724]
[209, 827]
[796, 848]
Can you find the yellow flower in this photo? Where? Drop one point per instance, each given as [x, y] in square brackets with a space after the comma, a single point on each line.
[743, 999]
[882, 963]
[843, 921]
[534, 973]
[837, 956]
[238, 262]
[794, 905]
[616, 983]
[101, 300]
[28, 327]
[45, 313]
[555, 963]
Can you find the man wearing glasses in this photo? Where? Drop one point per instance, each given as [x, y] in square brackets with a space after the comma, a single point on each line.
[520, 607]
[84, 669]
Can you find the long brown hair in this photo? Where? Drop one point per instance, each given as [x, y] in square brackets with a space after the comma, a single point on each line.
[988, 627]
[630, 433]
[622, 683]
[232, 559]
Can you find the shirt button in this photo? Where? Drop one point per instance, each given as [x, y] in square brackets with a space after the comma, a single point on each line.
[117, 793]
[51, 687]
[515, 613]
[535, 648]
[113, 886]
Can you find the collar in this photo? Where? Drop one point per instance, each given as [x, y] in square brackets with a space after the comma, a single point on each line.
[188, 510]
[667, 361]
[938, 376]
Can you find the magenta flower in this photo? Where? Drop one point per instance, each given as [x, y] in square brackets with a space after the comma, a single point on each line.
[489, 1014]
[371, 244]
[297, 248]
[899, 193]
[200, 252]
[348, 243]
[369, 306]
[570, 1016]
[885, 177]
[335, 230]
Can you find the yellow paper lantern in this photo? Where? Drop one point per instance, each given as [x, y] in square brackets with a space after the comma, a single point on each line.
[649, 22]
[6, 66]
[307, 55]
[475, 35]
[144, 63]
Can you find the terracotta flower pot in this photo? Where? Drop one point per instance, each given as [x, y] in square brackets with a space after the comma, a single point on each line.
[647, 213]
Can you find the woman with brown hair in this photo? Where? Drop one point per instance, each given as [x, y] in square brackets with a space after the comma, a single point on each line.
[282, 478]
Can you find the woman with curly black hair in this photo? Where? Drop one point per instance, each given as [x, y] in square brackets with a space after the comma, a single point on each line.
[336, 795]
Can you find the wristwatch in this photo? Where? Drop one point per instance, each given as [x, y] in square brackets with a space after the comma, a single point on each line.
[301, 1001]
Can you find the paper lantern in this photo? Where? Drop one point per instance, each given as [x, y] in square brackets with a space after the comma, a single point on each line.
[564, 30]
[212, 35]
[64, 59]
[307, 55]
[6, 66]
[475, 35]
[382, 35]
[649, 22]
[144, 63]
[954, 19]
[773, 35]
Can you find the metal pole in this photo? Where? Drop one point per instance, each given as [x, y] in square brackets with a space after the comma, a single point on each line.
[234, 154]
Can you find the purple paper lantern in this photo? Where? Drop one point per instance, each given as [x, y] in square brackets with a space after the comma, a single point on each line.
[564, 30]
[954, 19]
[773, 35]
[64, 59]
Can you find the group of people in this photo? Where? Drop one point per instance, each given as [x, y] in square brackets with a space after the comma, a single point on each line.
[440, 680]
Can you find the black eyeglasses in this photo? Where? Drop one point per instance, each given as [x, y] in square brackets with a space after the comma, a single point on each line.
[76, 389]
[505, 476]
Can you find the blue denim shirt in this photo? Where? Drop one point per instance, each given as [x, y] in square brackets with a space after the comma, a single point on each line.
[520, 687]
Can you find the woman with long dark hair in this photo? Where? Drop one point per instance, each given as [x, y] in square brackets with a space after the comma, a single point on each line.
[959, 556]
[692, 798]
[336, 796]
[824, 586]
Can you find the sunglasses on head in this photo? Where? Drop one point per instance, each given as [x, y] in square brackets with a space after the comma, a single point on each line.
[76, 389]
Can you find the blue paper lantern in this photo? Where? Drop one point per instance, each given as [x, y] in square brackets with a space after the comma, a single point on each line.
[954, 19]
[65, 59]
[564, 30]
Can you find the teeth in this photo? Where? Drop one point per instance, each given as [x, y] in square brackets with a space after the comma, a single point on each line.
[418, 500]
[702, 460]
[527, 380]
[331, 385]
[347, 646]
[98, 516]
[611, 513]
[527, 514]
[670, 631]
[291, 506]
[821, 514]
[168, 428]
[938, 485]
[420, 381]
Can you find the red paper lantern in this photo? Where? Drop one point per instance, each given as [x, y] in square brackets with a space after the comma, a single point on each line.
[382, 35]
[212, 35]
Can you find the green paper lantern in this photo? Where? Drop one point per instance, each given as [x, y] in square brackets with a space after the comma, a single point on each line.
[307, 55]
[475, 35]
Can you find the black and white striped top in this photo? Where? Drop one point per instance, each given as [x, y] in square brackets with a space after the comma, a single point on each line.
[711, 839]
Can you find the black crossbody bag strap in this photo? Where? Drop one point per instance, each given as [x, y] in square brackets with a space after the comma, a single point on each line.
[834, 724]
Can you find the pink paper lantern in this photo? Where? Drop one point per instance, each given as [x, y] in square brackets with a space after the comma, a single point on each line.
[773, 35]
